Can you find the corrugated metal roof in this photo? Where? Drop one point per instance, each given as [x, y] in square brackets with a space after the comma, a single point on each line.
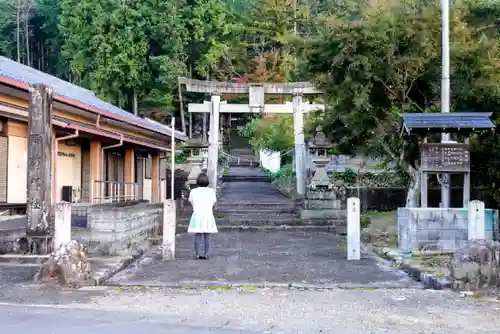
[437, 122]
[28, 75]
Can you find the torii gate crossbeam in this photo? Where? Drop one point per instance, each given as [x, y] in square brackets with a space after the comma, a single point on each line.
[256, 94]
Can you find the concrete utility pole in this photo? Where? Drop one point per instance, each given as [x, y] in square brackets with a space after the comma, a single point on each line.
[445, 91]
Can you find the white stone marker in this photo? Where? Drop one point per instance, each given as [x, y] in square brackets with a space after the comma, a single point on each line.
[169, 223]
[476, 220]
[62, 226]
[353, 229]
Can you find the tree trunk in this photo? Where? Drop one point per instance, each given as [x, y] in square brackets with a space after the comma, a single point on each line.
[135, 104]
[412, 197]
[18, 30]
[27, 33]
[181, 106]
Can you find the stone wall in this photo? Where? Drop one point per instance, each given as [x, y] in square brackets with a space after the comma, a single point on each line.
[436, 229]
[11, 229]
[120, 228]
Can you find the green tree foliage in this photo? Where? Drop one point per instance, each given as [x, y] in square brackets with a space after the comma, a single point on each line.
[388, 62]
[38, 28]
[273, 133]
[123, 49]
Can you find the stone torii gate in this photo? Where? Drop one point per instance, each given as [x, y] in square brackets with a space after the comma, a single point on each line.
[256, 92]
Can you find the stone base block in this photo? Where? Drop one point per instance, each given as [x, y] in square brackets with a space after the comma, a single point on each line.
[323, 214]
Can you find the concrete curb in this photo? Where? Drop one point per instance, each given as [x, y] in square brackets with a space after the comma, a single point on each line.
[122, 265]
[260, 285]
[429, 280]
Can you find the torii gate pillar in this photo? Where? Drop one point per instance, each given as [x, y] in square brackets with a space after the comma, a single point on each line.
[300, 145]
[213, 140]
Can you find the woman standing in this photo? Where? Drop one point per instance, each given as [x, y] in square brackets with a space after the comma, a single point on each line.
[202, 222]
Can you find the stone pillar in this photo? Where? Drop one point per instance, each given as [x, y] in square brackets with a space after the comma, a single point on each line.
[95, 171]
[298, 131]
[130, 173]
[476, 220]
[39, 188]
[155, 179]
[353, 229]
[62, 226]
[213, 148]
[205, 116]
[169, 224]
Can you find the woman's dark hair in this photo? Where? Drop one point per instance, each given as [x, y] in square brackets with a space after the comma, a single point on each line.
[202, 180]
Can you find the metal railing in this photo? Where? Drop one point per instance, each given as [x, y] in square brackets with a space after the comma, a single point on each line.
[113, 191]
[238, 160]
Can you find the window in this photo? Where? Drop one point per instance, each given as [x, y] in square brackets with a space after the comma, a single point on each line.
[148, 173]
[163, 169]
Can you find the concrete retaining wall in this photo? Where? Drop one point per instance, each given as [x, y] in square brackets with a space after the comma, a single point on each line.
[119, 228]
[438, 229]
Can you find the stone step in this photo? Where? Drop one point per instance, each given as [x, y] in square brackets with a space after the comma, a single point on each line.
[250, 211]
[277, 228]
[243, 163]
[245, 207]
[228, 204]
[239, 178]
[255, 216]
[266, 221]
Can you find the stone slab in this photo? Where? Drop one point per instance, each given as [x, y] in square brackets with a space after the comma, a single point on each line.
[285, 258]
[22, 269]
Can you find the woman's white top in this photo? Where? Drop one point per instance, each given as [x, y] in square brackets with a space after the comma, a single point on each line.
[202, 221]
[202, 199]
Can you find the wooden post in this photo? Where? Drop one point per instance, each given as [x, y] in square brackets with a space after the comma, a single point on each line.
[38, 206]
[96, 174]
[130, 174]
[155, 179]
[466, 194]
[353, 229]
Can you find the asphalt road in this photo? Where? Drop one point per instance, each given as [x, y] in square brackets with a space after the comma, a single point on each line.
[289, 311]
[44, 320]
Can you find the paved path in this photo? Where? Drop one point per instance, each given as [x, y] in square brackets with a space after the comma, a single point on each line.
[257, 258]
[245, 171]
[279, 258]
[248, 191]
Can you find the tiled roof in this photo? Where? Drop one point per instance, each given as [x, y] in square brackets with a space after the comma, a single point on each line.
[28, 75]
[454, 121]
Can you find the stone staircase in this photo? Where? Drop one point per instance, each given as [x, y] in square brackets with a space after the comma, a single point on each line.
[241, 151]
[248, 201]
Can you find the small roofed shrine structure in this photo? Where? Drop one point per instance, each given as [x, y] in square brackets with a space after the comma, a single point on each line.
[446, 157]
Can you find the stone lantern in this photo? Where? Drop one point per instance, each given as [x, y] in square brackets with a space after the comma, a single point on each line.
[323, 199]
[321, 186]
[318, 149]
[197, 148]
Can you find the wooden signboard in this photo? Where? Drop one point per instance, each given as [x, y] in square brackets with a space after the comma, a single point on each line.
[445, 158]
